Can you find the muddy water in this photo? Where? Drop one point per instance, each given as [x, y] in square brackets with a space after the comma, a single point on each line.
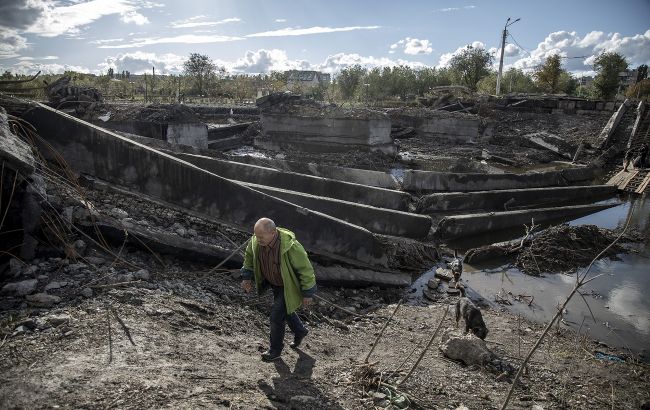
[619, 300]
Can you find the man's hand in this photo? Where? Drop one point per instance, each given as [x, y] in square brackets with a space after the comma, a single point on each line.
[247, 285]
[307, 301]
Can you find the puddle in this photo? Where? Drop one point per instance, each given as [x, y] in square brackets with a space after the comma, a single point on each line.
[617, 299]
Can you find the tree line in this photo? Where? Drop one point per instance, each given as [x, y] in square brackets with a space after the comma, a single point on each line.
[471, 68]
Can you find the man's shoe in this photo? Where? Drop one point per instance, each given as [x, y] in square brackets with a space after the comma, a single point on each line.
[270, 356]
[297, 340]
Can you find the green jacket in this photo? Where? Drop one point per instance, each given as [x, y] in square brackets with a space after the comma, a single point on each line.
[296, 270]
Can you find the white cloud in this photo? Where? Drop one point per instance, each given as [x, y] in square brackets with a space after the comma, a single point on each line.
[140, 62]
[182, 39]
[30, 67]
[134, 17]
[448, 9]
[56, 19]
[264, 61]
[446, 57]
[280, 20]
[336, 62]
[291, 31]
[27, 58]
[635, 48]
[192, 22]
[106, 41]
[412, 46]
[11, 43]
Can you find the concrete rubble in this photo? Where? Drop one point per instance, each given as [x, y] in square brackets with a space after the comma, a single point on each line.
[118, 214]
[309, 126]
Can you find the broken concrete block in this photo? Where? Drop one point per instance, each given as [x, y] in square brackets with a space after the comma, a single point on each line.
[55, 285]
[119, 213]
[22, 288]
[313, 128]
[42, 299]
[58, 320]
[551, 142]
[465, 348]
[142, 274]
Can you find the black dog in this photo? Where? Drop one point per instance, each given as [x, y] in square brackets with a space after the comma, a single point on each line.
[472, 316]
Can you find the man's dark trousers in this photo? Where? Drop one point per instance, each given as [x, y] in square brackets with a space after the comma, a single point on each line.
[279, 317]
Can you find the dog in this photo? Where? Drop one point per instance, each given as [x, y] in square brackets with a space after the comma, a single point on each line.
[473, 318]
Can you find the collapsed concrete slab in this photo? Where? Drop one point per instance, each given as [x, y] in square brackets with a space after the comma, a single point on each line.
[608, 131]
[437, 125]
[175, 124]
[428, 181]
[190, 249]
[457, 226]
[367, 195]
[220, 131]
[311, 127]
[354, 175]
[89, 149]
[510, 199]
[378, 220]
[551, 142]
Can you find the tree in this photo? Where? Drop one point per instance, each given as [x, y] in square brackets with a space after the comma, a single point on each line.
[470, 65]
[607, 66]
[548, 75]
[349, 80]
[641, 72]
[201, 69]
[513, 81]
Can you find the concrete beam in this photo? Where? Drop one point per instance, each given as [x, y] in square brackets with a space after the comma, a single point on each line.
[316, 133]
[360, 277]
[510, 199]
[609, 129]
[452, 227]
[89, 149]
[367, 195]
[428, 181]
[355, 175]
[193, 134]
[640, 111]
[378, 220]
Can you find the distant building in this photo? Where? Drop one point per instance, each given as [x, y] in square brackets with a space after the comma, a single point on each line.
[306, 80]
[627, 78]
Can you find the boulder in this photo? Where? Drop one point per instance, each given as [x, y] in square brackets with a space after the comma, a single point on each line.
[465, 348]
[22, 288]
[42, 299]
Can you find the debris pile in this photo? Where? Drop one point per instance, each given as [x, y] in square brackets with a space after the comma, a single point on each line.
[561, 248]
[62, 94]
[156, 113]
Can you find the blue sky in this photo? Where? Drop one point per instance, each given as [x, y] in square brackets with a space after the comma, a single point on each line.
[250, 36]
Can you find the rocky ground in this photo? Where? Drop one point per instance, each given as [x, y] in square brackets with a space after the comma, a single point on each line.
[185, 338]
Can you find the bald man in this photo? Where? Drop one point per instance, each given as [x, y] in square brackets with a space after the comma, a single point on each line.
[275, 259]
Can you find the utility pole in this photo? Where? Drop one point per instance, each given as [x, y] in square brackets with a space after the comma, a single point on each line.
[503, 46]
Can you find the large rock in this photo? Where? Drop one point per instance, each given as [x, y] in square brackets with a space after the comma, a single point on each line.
[22, 288]
[42, 299]
[465, 348]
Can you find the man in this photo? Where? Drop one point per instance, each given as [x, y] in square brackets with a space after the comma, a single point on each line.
[275, 259]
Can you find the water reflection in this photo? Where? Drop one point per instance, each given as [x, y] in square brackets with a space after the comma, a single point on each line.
[618, 299]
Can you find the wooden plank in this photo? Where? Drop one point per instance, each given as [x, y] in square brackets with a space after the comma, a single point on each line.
[622, 178]
[644, 184]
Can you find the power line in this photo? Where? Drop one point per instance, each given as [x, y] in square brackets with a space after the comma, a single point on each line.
[519, 45]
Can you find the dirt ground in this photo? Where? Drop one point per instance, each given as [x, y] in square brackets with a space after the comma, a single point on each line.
[197, 339]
